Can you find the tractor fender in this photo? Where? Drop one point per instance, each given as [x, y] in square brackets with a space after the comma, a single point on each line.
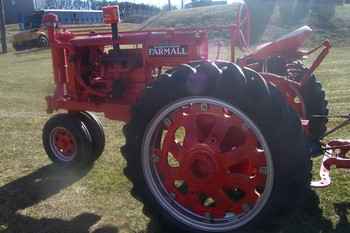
[290, 90]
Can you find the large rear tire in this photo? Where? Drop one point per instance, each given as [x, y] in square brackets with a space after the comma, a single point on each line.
[313, 94]
[258, 106]
[316, 104]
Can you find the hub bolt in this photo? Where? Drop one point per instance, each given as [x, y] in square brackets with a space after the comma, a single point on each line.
[167, 122]
[263, 170]
[204, 107]
[297, 100]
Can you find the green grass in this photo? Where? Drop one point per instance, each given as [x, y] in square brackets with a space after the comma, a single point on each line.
[35, 197]
[29, 198]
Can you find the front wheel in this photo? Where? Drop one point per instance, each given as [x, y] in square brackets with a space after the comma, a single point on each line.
[95, 128]
[221, 161]
[67, 141]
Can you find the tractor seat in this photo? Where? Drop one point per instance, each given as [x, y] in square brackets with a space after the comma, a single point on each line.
[289, 42]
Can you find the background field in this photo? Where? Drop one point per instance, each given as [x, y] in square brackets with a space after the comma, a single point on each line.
[37, 198]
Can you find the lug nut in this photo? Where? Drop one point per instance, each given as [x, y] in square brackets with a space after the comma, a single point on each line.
[204, 107]
[297, 100]
[167, 122]
[263, 170]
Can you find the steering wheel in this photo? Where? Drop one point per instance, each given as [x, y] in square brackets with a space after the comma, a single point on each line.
[243, 26]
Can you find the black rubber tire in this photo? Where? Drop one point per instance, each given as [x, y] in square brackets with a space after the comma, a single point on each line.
[314, 98]
[95, 128]
[316, 104]
[261, 102]
[78, 129]
[18, 47]
[43, 42]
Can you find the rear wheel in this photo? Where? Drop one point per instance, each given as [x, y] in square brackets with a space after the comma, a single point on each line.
[316, 104]
[67, 141]
[222, 162]
[313, 94]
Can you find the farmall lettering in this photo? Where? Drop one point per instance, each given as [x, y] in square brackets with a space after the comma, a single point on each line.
[168, 51]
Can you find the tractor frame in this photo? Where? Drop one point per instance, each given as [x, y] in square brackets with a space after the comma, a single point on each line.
[142, 78]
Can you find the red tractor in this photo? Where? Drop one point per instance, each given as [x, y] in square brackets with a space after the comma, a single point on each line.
[211, 146]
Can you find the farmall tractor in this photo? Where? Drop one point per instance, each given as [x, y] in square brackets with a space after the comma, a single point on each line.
[211, 146]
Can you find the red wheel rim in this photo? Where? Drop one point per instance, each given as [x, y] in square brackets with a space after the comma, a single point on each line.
[210, 163]
[63, 144]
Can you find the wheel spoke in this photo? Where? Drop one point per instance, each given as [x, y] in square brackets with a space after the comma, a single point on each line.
[222, 203]
[238, 156]
[191, 127]
[235, 181]
[218, 131]
[245, 184]
[201, 187]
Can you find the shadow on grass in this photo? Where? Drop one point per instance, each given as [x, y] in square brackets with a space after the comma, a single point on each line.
[28, 51]
[342, 210]
[49, 180]
[34, 188]
[308, 219]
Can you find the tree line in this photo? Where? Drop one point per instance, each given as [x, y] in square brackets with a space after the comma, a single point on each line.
[96, 5]
[291, 12]
[130, 12]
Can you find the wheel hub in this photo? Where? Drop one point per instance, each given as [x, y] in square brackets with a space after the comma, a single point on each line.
[201, 165]
[63, 144]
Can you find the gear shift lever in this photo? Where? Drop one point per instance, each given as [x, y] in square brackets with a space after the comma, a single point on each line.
[111, 16]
